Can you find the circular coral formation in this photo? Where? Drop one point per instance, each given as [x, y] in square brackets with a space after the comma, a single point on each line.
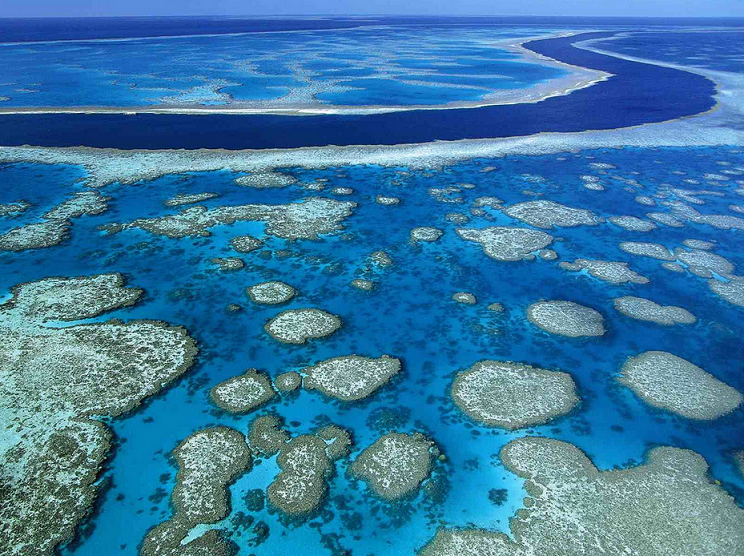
[549, 214]
[243, 393]
[425, 234]
[566, 318]
[245, 244]
[296, 326]
[464, 298]
[513, 395]
[351, 377]
[669, 382]
[395, 464]
[288, 382]
[645, 309]
[271, 293]
[496, 307]
[508, 244]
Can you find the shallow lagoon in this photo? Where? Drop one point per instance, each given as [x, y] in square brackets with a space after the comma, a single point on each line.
[256, 69]
[409, 314]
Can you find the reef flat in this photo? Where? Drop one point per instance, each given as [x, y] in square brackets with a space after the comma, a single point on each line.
[513, 395]
[507, 244]
[674, 384]
[183, 199]
[306, 219]
[666, 505]
[351, 377]
[549, 215]
[271, 293]
[614, 272]
[297, 326]
[243, 393]
[395, 464]
[645, 309]
[55, 383]
[208, 460]
[566, 318]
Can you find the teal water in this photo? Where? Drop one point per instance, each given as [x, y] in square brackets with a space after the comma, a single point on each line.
[410, 315]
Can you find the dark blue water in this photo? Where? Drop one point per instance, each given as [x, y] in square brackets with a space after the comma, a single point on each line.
[65, 28]
[636, 94]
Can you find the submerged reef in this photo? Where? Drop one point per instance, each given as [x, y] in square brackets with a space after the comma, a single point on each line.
[387, 201]
[271, 293]
[426, 234]
[645, 309]
[667, 505]
[381, 258]
[507, 244]
[297, 326]
[306, 219]
[245, 244]
[208, 461]
[549, 215]
[13, 209]
[243, 393]
[365, 285]
[566, 318]
[609, 271]
[228, 264]
[669, 382]
[351, 377]
[465, 298]
[55, 383]
[395, 464]
[513, 395]
[55, 227]
[182, 199]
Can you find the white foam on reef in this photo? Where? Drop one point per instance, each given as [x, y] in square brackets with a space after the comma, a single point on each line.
[566, 318]
[513, 395]
[674, 384]
[667, 505]
[55, 385]
[465, 298]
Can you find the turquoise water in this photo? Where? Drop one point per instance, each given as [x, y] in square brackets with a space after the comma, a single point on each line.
[276, 67]
[410, 315]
